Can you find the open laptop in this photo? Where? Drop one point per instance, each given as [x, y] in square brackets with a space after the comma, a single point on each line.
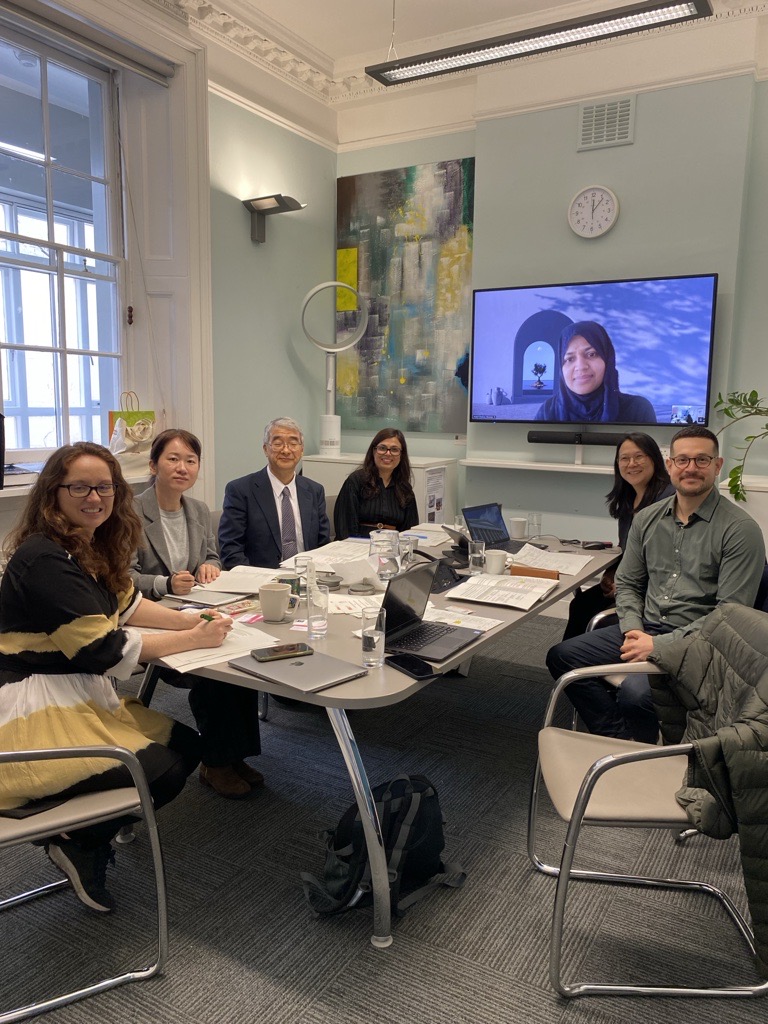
[405, 602]
[485, 522]
[309, 674]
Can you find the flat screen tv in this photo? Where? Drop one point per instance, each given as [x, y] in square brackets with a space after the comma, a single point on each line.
[619, 352]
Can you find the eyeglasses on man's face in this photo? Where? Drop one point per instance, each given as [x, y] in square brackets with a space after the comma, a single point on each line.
[278, 443]
[381, 449]
[702, 461]
[84, 491]
[628, 460]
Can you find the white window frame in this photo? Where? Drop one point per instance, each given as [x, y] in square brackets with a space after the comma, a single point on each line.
[57, 259]
[164, 133]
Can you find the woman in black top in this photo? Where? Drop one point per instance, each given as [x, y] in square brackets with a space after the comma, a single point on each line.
[67, 612]
[379, 495]
[639, 479]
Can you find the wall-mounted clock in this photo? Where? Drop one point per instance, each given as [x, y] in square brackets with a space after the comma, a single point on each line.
[593, 211]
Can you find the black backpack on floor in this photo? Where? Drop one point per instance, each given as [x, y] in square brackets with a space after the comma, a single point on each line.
[412, 830]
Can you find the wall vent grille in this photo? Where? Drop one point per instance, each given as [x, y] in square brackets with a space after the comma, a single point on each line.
[611, 123]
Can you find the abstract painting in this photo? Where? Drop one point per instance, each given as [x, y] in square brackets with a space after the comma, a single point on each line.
[404, 241]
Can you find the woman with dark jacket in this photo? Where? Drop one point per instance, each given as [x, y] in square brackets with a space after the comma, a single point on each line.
[178, 550]
[587, 386]
[640, 478]
[379, 495]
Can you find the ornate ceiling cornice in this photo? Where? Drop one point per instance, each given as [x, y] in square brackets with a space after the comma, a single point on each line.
[272, 49]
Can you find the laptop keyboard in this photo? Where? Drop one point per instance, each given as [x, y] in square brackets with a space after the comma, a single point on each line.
[422, 635]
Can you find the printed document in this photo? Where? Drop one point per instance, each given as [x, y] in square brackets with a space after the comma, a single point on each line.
[511, 591]
[566, 563]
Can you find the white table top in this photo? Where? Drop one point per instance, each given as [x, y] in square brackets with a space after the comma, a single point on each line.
[386, 685]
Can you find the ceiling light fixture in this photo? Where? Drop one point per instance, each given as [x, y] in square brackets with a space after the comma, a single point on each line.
[607, 25]
[263, 206]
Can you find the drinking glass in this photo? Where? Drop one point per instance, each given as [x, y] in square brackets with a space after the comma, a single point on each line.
[534, 524]
[317, 612]
[303, 564]
[407, 545]
[476, 557]
[384, 553]
[459, 523]
[374, 628]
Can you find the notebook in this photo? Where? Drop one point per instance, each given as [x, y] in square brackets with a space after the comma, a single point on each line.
[309, 674]
[485, 522]
[205, 598]
[405, 602]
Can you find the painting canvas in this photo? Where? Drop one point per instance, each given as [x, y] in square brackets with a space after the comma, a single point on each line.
[404, 241]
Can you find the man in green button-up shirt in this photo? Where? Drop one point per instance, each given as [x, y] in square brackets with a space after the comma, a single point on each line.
[684, 556]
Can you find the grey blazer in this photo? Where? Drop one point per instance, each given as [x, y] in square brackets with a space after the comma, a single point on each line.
[152, 558]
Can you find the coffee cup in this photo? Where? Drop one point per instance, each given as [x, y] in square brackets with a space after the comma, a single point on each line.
[518, 527]
[292, 579]
[275, 600]
[495, 562]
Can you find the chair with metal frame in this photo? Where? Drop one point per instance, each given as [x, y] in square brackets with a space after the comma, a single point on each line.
[603, 781]
[79, 812]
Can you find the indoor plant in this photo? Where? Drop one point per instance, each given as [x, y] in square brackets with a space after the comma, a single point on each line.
[740, 405]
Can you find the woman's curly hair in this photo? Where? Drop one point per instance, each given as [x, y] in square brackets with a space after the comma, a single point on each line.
[108, 556]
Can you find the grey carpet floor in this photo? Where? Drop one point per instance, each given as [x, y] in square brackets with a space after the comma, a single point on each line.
[245, 947]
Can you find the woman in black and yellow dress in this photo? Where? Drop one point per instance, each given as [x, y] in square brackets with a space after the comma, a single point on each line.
[379, 495]
[66, 607]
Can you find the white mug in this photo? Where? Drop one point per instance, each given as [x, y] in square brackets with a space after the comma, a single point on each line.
[518, 527]
[275, 599]
[495, 562]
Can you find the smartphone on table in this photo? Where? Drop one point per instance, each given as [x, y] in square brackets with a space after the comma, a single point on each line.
[282, 651]
[412, 666]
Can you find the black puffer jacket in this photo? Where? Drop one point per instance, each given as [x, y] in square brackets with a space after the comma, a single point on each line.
[716, 696]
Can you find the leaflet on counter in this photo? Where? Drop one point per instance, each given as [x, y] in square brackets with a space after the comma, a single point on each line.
[510, 591]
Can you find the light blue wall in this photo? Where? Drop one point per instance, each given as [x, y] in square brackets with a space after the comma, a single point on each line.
[693, 199]
[749, 358]
[681, 189]
[263, 365]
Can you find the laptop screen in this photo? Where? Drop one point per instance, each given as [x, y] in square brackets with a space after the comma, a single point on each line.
[406, 596]
[485, 522]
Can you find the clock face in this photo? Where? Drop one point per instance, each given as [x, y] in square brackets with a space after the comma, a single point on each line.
[593, 211]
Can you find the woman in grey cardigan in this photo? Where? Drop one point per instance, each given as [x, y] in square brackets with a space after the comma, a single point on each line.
[177, 550]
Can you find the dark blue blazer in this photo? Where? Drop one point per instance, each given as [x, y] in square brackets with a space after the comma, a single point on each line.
[249, 530]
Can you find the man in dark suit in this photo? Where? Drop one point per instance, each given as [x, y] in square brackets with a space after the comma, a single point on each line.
[271, 515]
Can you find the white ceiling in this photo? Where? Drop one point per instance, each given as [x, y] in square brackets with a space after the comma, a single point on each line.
[359, 32]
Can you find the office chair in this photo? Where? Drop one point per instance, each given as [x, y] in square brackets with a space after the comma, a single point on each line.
[78, 812]
[606, 782]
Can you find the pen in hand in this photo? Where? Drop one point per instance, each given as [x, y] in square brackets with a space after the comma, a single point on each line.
[208, 618]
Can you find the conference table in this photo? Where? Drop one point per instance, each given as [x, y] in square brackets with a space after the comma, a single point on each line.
[380, 688]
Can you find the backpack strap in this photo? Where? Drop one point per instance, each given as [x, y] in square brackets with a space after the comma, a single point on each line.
[454, 877]
[404, 825]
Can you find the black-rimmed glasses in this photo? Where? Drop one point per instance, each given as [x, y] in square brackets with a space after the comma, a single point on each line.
[84, 491]
[381, 449]
[702, 461]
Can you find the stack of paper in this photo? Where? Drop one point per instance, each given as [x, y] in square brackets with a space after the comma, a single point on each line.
[564, 562]
[243, 579]
[511, 591]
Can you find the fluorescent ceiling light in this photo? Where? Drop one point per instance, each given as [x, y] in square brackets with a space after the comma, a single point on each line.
[620, 22]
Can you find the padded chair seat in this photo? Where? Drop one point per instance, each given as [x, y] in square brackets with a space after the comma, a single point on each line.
[637, 793]
[78, 811]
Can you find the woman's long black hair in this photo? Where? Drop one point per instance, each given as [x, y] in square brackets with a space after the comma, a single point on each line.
[401, 474]
[621, 498]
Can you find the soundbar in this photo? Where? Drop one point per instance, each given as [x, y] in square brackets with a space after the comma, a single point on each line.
[573, 437]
